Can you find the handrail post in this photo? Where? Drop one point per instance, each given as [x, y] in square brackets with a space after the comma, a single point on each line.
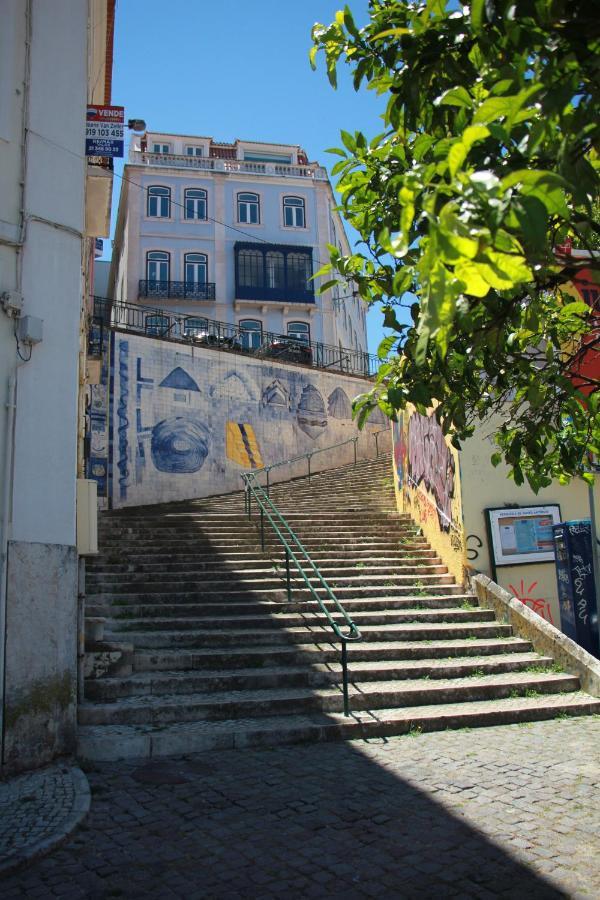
[262, 529]
[345, 678]
[308, 458]
[377, 445]
[287, 575]
[249, 502]
[268, 494]
[355, 443]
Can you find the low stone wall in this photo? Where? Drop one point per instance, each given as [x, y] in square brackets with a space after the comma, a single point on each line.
[545, 637]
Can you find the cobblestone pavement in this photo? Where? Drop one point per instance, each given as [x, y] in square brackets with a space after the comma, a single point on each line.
[38, 810]
[495, 812]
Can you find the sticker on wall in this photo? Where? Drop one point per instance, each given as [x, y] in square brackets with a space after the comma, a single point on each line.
[241, 445]
[312, 418]
[276, 394]
[338, 404]
[179, 445]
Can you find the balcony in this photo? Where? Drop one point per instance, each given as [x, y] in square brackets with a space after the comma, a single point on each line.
[273, 272]
[229, 166]
[177, 290]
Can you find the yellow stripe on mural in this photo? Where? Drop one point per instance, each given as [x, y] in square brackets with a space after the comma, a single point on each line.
[241, 445]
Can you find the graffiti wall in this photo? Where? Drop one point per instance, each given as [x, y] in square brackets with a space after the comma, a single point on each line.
[427, 479]
[184, 422]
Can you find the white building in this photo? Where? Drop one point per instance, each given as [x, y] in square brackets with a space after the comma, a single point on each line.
[232, 233]
[52, 203]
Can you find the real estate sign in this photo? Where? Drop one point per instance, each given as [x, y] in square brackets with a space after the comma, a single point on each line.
[104, 135]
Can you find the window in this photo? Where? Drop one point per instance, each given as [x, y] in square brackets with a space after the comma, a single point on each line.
[299, 270]
[299, 331]
[193, 151]
[161, 148]
[194, 326]
[157, 268]
[195, 204]
[250, 268]
[195, 268]
[157, 325]
[293, 212]
[275, 270]
[248, 208]
[251, 334]
[159, 202]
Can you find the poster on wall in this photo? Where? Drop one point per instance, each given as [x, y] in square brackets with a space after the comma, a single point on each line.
[522, 534]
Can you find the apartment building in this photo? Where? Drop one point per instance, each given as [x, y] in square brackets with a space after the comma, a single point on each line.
[232, 233]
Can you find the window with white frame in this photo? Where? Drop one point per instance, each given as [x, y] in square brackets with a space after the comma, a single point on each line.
[159, 202]
[195, 268]
[191, 150]
[161, 148]
[194, 326]
[195, 203]
[157, 267]
[251, 333]
[158, 325]
[294, 212]
[299, 331]
[248, 208]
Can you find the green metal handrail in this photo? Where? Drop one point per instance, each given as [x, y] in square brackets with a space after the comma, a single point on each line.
[291, 540]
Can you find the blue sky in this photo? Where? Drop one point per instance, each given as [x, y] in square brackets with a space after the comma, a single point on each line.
[235, 69]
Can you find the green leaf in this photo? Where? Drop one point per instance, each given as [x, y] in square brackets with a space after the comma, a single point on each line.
[456, 96]
[472, 279]
[456, 157]
[387, 344]
[390, 32]
[337, 151]
[494, 108]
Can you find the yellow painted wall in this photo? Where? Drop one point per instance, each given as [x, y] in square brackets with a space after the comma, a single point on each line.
[427, 483]
[484, 486]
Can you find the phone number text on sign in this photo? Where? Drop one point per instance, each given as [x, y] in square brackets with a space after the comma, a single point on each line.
[104, 134]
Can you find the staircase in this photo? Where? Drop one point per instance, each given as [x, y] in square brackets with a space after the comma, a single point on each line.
[194, 646]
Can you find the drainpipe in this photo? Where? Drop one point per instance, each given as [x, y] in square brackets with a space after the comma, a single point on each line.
[7, 487]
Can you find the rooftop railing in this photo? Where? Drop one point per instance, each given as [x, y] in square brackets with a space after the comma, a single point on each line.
[230, 166]
[223, 336]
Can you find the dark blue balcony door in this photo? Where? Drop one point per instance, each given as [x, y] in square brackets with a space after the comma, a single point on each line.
[195, 269]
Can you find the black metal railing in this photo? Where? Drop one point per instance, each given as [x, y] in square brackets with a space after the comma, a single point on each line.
[177, 290]
[344, 629]
[202, 331]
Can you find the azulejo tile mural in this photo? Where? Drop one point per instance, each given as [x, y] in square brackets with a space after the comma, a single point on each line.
[185, 421]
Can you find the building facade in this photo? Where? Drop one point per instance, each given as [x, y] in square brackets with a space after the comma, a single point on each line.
[232, 233]
[55, 58]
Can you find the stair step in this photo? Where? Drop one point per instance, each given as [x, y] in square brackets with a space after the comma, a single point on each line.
[307, 635]
[314, 675]
[169, 708]
[162, 659]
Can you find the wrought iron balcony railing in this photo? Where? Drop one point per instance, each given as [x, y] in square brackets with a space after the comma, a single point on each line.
[205, 332]
[177, 290]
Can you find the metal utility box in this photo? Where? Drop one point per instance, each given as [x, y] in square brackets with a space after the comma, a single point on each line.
[87, 517]
[576, 587]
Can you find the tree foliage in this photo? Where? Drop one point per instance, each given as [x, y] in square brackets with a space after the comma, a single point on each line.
[487, 162]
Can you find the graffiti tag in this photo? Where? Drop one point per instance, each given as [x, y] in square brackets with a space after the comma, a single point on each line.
[431, 462]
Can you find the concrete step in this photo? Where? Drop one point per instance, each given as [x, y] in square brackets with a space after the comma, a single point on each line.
[161, 659]
[266, 569]
[308, 634]
[257, 607]
[159, 710]
[272, 581]
[278, 620]
[308, 676]
[124, 742]
[243, 592]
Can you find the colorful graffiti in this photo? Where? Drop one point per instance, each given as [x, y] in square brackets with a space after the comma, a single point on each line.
[539, 605]
[431, 462]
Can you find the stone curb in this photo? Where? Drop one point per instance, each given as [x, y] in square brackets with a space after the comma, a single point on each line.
[78, 813]
[546, 639]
